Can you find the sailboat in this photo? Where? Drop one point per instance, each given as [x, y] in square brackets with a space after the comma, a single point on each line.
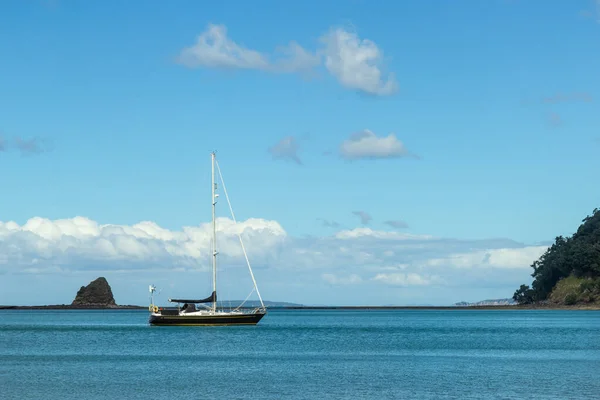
[204, 312]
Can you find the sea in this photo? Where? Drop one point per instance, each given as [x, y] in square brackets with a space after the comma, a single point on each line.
[303, 354]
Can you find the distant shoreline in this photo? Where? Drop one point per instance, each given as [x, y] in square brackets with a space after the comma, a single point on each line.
[490, 307]
[457, 308]
[70, 307]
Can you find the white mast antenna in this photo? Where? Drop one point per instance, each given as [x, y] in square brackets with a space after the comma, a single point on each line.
[214, 229]
[239, 235]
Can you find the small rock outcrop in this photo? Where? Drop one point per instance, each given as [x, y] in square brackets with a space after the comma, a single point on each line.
[97, 293]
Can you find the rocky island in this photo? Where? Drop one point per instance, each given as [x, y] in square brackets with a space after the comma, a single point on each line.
[96, 295]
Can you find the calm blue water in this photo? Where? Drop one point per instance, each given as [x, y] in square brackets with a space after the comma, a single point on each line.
[303, 354]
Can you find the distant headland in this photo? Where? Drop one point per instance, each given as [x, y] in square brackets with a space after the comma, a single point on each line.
[568, 273]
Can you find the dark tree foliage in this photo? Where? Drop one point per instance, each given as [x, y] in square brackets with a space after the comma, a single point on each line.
[523, 295]
[578, 255]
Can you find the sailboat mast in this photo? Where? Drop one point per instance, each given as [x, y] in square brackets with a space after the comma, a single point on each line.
[214, 229]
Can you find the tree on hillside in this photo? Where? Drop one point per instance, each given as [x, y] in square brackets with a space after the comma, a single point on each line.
[523, 295]
[578, 255]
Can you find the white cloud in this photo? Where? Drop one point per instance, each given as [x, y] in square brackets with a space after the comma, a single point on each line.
[295, 59]
[214, 49]
[367, 145]
[497, 258]
[402, 279]
[345, 280]
[356, 63]
[80, 243]
[370, 233]
[287, 267]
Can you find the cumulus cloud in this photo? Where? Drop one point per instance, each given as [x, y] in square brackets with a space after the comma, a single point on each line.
[333, 279]
[355, 63]
[364, 216]
[80, 243]
[370, 233]
[286, 149]
[214, 49]
[403, 279]
[285, 265]
[497, 258]
[294, 58]
[367, 145]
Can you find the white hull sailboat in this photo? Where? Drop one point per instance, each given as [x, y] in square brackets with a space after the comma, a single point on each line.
[187, 312]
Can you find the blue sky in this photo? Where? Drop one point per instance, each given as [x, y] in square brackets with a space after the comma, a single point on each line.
[108, 112]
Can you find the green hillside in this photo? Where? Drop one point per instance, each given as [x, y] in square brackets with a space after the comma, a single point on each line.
[569, 271]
